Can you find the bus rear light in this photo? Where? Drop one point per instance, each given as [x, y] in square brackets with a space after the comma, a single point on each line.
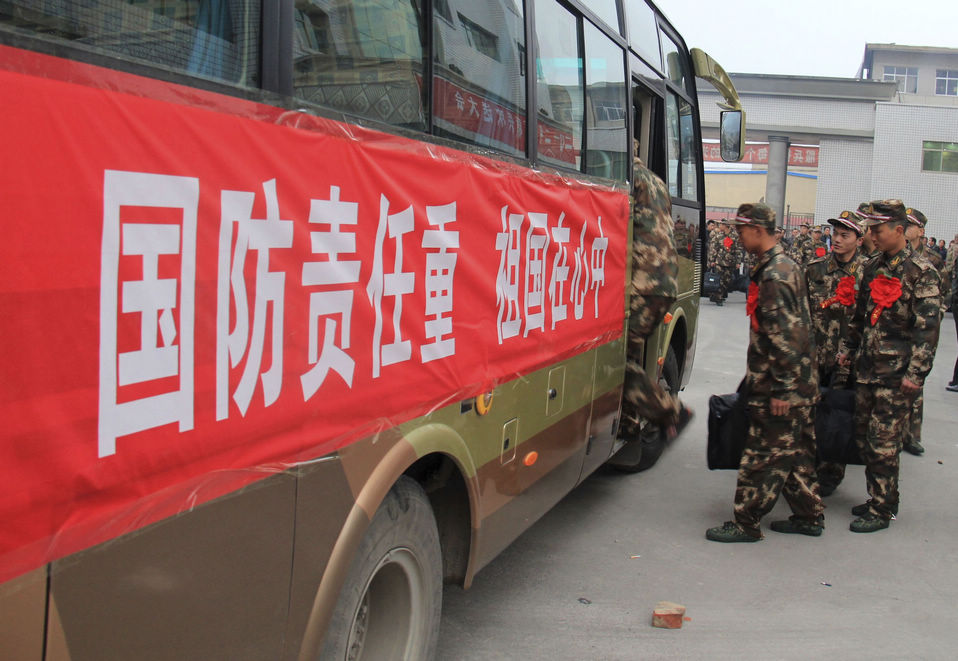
[531, 458]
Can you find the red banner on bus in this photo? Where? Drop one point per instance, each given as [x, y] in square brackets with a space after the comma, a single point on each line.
[194, 299]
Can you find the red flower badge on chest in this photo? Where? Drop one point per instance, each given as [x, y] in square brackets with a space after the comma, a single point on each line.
[727, 242]
[885, 291]
[819, 251]
[751, 304]
[845, 293]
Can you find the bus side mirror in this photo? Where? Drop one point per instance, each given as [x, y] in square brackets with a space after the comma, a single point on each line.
[732, 135]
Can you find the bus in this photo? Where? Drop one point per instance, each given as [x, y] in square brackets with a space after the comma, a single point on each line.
[311, 307]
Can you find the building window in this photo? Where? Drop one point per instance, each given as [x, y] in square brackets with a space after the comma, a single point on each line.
[939, 156]
[946, 82]
[906, 77]
[479, 38]
[441, 8]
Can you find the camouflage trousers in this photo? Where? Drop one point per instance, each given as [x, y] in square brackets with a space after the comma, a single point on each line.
[830, 473]
[779, 458]
[880, 429]
[644, 397]
[915, 419]
[725, 281]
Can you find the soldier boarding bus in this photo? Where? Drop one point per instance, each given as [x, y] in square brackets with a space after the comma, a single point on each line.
[311, 307]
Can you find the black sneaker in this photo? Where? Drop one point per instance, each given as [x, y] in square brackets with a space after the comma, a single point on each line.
[730, 532]
[795, 526]
[861, 510]
[868, 523]
[914, 447]
[952, 387]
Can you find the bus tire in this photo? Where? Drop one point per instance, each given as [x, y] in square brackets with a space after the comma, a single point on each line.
[653, 442]
[390, 605]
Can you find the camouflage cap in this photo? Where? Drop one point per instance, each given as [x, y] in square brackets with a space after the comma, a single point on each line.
[817, 229]
[850, 219]
[756, 215]
[884, 211]
[805, 224]
[916, 217]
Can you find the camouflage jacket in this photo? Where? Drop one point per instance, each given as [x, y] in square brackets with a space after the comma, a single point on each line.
[931, 255]
[722, 252]
[781, 349]
[899, 341]
[830, 316]
[813, 250]
[655, 267]
[797, 251]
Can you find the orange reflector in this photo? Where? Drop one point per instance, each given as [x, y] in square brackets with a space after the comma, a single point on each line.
[668, 318]
[483, 403]
[661, 362]
[531, 458]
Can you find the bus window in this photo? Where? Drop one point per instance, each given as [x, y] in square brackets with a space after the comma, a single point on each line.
[643, 33]
[673, 144]
[676, 63]
[607, 141]
[363, 58]
[214, 39]
[681, 148]
[607, 11]
[479, 82]
[559, 84]
[690, 151]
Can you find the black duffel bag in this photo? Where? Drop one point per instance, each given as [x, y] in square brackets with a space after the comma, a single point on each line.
[711, 282]
[728, 426]
[835, 427]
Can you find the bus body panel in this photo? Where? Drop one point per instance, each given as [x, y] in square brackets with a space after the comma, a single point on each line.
[244, 557]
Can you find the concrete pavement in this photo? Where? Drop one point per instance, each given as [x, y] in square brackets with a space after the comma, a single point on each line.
[582, 582]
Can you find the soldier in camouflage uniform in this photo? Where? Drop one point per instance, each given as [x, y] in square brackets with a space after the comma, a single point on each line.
[721, 258]
[654, 289]
[779, 455]
[892, 339]
[832, 284]
[952, 265]
[797, 250]
[915, 233]
[815, 248]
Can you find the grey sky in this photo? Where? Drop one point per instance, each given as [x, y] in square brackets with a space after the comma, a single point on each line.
[808, 38]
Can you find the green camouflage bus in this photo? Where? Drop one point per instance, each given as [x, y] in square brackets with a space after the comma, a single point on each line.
[312, 306]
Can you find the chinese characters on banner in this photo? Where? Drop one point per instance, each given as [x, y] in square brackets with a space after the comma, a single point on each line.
[243, 294]
[758, 155]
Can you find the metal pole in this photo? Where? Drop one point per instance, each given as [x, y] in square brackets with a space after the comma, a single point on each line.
[777, 168]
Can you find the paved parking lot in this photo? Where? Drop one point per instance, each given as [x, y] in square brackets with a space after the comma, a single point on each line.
[582, 582]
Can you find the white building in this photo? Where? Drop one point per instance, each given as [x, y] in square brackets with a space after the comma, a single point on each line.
[891, 132]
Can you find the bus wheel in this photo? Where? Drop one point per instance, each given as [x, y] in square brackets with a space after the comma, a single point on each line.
[390, 605]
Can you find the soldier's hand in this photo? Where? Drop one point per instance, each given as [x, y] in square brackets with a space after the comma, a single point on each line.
[909, 387]
[844, 360]
[779, 407]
